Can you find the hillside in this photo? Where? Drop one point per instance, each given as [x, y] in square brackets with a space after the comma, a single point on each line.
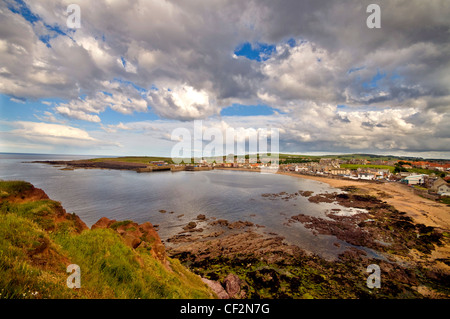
[39, 239]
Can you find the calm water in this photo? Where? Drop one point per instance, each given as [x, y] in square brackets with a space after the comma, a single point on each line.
[231, 195]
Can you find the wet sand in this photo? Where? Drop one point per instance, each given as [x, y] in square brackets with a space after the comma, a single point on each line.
[402, 197]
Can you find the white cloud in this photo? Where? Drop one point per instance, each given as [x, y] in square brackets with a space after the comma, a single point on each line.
[39, 130]
[55, 137]
[182, 102]
[188, 47]
[48, 117]
[75, 114]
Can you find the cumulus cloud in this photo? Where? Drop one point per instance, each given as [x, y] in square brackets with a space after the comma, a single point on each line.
[74, 114]
[182, 102]
[48, 117]
[120, 97]
[51, 130]
[27, 136]
[177, 58]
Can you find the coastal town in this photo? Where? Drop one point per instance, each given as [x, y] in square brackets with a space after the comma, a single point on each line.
[434, 181]
[429, 179]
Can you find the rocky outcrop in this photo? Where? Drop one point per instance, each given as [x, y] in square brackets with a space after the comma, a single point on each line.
[53, 216]
[27, 193]
[136, 236]
[232, 285]
[190, 225]
[216, 288]
[231, 225]
[231, 288]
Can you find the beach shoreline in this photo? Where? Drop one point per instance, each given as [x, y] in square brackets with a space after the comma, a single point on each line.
[402, 197]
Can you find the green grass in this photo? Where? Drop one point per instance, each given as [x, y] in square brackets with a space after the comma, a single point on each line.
[11, 188]
[120, 223]
[134, 159]
[42, 212]
[108, 265]
[21, 276]
[423, 171]
[356, 166]
[35, 251]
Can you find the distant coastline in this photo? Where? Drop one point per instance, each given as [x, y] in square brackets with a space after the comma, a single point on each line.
[400, 196]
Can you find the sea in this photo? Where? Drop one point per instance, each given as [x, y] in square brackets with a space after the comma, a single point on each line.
[220, 194]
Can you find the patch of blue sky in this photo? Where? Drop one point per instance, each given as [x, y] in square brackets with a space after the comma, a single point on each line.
[124, 62]
[111, 117]
[373, 83]
[396, 77]
[248, 110]
[13, 109]
[263, 51]
[107, 93]
[258, 52]
[291, 42]
[20, 7]
[134, 85]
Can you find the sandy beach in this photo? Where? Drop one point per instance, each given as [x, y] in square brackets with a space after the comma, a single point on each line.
[400, 196]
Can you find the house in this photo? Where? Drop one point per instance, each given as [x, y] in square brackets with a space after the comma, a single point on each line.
[444, 190]
[382, 173]
[301, 168]
[414, 179]
[437, 184]
[406, 174]
[158, 163]
[366, 176]
[358, 161]
[334, 163]
[340, 171]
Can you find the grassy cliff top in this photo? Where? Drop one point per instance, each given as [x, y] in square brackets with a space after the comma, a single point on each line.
[38, 240]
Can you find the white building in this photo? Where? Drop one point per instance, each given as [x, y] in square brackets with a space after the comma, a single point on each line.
[414, 179]
[444, 190]
[367, 176]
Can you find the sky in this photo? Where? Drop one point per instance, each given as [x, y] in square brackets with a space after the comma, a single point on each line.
[137, 70]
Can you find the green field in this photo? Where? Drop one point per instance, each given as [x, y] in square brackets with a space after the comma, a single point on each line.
[356, 166]
[424, 171]
[134, 159]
